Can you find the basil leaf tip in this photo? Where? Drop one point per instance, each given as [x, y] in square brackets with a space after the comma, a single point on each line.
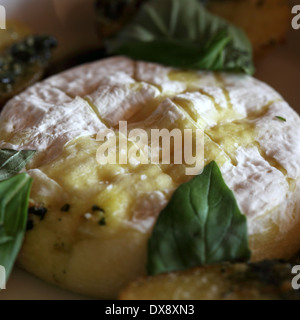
[12, 162]
[14, 197]
[201, 225]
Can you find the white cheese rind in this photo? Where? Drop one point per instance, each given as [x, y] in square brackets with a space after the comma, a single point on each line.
[280, 138]
[256, 191]
[85, 79]
[121, 102]
[46, 127]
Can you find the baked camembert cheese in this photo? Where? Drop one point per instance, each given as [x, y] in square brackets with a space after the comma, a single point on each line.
[93, 238]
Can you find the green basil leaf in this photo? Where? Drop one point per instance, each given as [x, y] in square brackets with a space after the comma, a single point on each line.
[12, 162]
[183, 34]
[201, 225]
[14, 196]
[4, 238]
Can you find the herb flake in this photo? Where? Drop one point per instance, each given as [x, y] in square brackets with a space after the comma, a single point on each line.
[38, 211]
[102, 222]
[280, 118]
[65, 208]
[97, 208]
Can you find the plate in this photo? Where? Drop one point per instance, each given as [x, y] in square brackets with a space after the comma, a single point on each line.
[71, 21]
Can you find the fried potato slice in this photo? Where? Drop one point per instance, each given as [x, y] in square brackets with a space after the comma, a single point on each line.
[268, 280]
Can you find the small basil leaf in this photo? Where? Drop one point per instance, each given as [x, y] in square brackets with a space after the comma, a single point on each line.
[14, 196]
[201, 225]
[12, 162]
[183, 34]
